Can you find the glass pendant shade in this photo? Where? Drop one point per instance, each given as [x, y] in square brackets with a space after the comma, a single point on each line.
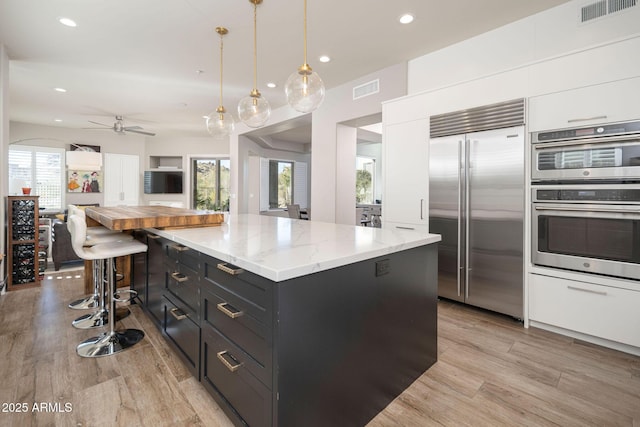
[254, 110]
[219, 123]
[304, 90]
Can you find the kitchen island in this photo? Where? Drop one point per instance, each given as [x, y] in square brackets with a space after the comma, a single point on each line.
[294, 323]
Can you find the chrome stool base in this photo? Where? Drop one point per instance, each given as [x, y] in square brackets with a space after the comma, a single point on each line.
[99, 318]
[92, 301]
[109, 343]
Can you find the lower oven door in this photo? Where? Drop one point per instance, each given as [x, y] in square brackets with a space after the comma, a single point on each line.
[600, 239]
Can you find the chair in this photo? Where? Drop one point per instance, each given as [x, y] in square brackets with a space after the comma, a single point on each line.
[112, 341]
[294, 211]
[95, 235]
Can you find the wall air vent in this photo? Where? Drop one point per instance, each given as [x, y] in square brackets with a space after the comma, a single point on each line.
[366, 89]
[604, 7]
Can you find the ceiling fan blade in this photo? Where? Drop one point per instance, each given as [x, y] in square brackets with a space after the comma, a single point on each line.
[132, 127]
[101, 124]
[140, 131]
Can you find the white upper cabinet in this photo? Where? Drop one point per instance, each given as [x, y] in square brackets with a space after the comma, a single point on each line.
[406, 176]
[121, 180]
[603, 103]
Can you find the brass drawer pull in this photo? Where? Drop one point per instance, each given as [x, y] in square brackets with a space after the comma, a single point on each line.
[179, 277]
[180, 248]
[178, 314]
[226, 363]
[230, 269]
[229, 310]
[153, 236]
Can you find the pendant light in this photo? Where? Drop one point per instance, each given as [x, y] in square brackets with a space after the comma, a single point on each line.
[254, 110]
[219, 124]
[304, 87]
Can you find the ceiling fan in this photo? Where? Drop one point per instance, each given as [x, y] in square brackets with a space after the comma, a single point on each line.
[119, 127]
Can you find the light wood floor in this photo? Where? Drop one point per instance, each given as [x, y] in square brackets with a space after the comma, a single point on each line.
[490, 372]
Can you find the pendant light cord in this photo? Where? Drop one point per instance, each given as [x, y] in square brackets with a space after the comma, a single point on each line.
[221, 42]
[255, 45]
[305, 31]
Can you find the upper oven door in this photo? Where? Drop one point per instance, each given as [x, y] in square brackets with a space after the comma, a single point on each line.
[614, 158]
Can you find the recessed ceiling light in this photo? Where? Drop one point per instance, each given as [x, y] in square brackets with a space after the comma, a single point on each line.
[68, 22]
[57, 120]
[271, 85]
[59, 89]
[407, 18]
[324, 58]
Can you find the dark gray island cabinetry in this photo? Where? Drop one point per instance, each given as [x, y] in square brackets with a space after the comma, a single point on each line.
[331, 347]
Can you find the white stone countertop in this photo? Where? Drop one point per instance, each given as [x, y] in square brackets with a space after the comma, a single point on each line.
[282, 248]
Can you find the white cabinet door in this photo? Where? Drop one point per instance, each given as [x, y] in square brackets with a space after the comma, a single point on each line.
[602, 311]
[121, 179]
[603, 103]
[406, 188]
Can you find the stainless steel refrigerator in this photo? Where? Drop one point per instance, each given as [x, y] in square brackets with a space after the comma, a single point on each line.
[476, 202]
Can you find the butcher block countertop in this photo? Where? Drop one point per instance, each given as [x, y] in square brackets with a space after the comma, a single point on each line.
[134, 217]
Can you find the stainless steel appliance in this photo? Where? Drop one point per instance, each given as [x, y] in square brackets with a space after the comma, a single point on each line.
[588, 228]
[476, 202]
[603, 152]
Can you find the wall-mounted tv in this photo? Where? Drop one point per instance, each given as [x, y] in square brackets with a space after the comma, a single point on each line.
[162, 182]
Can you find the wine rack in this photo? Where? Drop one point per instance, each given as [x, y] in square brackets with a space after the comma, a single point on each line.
[24, 251]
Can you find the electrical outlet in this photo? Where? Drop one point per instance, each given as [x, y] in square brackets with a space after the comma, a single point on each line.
[382, 267]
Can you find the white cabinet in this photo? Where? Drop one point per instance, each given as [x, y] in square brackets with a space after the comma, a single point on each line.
[406, 176]
[601, 311]
[607, 102]
[121, 179]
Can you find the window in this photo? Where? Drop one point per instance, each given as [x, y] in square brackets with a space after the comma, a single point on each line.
[211, 183]
[282, 183]
[42, 169]
[365, 179]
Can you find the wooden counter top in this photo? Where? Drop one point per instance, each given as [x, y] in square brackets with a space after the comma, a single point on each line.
[133, 217]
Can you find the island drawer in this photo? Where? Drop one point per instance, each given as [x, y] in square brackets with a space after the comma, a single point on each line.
[239, 320]
[184, 255]
[183, 283]
[184, 333]
[237, 281]
[229, 373]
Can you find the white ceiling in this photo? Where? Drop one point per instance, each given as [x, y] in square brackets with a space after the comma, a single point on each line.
[140, 58]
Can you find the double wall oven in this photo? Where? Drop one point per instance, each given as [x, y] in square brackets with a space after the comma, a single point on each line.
[586, 199]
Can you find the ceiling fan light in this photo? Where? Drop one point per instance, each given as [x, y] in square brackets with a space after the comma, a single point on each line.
[254, 111]
[304, 90]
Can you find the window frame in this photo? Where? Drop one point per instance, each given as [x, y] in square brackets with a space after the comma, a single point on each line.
[35, 150]
[193, 178]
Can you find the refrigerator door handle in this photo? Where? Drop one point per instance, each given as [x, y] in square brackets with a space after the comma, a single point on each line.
[460, 204]
[467, 215]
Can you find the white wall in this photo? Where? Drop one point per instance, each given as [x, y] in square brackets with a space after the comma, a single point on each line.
[60, 137]
[330, 200]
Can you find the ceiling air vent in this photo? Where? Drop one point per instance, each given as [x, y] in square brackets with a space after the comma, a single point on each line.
[604, 7]
[366, 89]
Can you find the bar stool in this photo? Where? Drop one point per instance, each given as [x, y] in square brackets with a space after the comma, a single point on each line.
[95, 235]
[112, 341]
[100, 317]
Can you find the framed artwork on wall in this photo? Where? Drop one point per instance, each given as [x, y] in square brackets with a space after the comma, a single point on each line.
[82, 181]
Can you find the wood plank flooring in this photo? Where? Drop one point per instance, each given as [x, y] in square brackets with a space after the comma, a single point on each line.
[491, 372]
